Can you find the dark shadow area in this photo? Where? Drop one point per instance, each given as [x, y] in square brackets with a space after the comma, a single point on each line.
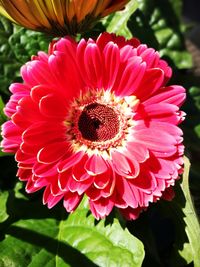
[8, 169]
[191, 9]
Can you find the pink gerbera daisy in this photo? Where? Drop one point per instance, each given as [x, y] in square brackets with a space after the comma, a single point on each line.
[96, 118]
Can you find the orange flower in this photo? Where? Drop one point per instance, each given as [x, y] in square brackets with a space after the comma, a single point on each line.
[58, 17]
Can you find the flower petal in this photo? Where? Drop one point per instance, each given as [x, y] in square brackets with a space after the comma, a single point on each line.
[95, 165]
[101, 207]
[123, 165]
[52, 152]
[71, 201]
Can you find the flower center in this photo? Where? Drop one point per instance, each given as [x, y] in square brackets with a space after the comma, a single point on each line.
[98, 123]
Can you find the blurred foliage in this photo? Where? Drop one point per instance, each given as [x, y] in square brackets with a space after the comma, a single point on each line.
[31, 235]
[17, 45]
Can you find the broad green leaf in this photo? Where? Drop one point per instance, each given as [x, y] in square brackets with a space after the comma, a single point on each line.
[191, 220]
[105, 245]
[118, 23]
[35, 236]
[3, 200]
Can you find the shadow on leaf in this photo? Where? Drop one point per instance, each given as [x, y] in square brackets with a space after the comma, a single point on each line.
[69, 254]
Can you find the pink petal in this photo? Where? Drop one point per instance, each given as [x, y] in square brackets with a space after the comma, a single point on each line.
[49, 199]
[127, 192]
[28, 107]
[93, 64]
[79, 186]
[93, 193]
[130, 77]
[111, 61]
[160, 109]
[30, 187]
[39, 91]
[71, 201]
[67, 45]
[146, 181]
[43, 170]
[41, 182]
[52, 152]
[102, 207]
[127, 52]
[138, 151]
[95, 165]
[167, 70]
[172, 94]
[53, 200]
[24, 174]
[78, 171]
[123, 165]
[102, 180]
[70, 161]
[39, 73]
[19, 88]
[10, 130]
[26, 75]
[63, 179]
[30, 148]
[131, 214]
[25, 158]
[62, 66]
[54, 188]
[53, 106]
[151, 57]
[151, 82]
[156, 140]
[42, 133]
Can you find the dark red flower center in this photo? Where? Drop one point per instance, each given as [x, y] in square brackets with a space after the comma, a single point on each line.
[98, 123]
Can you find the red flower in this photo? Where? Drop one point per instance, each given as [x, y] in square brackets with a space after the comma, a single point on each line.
[96, 118]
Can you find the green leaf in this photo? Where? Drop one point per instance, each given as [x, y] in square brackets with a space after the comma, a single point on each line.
[35, 236]
[158, 24]
[2, 115]
[3, 200]
[191, 220]
[118, 23]
[25, 43]
[101, 243]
